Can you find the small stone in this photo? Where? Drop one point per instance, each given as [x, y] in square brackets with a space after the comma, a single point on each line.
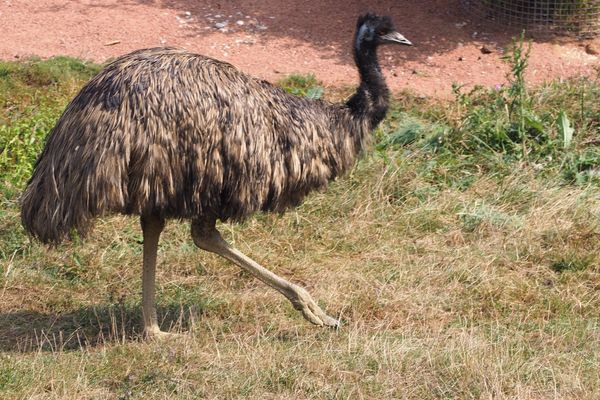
[590, 49]
[221, 25]
[239, 22]
[245, 41]
[486, 50]
[188, 14]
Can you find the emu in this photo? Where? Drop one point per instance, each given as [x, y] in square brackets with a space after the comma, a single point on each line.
[166, 134]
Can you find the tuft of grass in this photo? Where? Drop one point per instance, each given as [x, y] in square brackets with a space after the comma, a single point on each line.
[303, 85]
[572, 262]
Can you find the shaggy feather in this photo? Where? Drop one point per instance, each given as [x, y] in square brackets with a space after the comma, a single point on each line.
[173, 134]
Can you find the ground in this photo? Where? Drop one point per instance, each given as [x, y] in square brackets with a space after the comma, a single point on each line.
[270, 39]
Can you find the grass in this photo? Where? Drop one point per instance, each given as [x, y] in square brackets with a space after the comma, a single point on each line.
[460, 252]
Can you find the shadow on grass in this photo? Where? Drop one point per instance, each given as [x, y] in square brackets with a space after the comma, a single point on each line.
[32, 331]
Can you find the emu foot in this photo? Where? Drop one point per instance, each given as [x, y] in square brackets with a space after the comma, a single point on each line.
[154, 333]
[302, 301]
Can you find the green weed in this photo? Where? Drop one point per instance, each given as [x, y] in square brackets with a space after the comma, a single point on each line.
[302, 85]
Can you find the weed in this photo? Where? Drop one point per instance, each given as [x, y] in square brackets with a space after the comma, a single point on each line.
[303, 85]
[572, 262]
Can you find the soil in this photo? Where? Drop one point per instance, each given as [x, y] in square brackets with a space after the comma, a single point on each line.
[272, 38]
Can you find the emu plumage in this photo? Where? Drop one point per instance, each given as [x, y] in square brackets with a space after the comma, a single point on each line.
[163, 133]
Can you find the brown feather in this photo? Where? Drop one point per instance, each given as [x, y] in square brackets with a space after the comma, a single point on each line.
[179, 135]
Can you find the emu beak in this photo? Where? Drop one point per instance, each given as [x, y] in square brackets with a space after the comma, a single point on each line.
[396, 37]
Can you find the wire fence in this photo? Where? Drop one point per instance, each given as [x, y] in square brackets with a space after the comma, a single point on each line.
[580, 17]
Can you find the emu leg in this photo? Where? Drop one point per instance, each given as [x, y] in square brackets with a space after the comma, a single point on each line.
[207, 237]
[152, 226]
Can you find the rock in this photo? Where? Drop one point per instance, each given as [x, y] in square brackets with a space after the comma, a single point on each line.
[240, 22]
[221, 25]
[591, 49]
[486, 50]
[245, 41]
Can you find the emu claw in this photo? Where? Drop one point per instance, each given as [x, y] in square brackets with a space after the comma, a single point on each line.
[154, 333]
[302, 301]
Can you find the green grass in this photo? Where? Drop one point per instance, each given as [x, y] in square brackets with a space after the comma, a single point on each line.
[32, 97]
[460, 254]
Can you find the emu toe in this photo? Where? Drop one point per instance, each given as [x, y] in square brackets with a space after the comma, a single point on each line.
[155, 333]
[302, 301]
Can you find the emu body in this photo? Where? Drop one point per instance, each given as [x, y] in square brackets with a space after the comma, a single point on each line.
[178, 135]
[163, 133]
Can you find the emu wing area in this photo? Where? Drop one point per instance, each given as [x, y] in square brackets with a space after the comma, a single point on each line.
[175, 134]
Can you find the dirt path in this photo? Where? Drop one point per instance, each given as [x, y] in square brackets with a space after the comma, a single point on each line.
[271, 38]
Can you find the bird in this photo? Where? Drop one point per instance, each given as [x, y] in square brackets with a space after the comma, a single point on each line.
[164, 133]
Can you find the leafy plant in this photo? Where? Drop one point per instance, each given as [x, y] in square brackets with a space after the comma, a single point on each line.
[303, 85]
[565, 129]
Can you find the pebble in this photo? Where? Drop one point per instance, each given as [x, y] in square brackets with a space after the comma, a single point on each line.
[240, 22]
[245, 41]
[590, 49]
[221, 25]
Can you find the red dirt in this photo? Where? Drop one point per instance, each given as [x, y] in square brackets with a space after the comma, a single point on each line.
[288, 36]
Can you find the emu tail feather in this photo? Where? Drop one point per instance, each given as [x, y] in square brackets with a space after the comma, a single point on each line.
[45, 214]
[74, 181]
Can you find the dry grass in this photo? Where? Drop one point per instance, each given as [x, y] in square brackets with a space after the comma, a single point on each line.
[458, 276]
[446, 296]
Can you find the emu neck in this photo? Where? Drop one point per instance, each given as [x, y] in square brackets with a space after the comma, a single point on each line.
[371, 100]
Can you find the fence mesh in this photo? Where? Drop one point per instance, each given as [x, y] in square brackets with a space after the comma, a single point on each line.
[560, 16]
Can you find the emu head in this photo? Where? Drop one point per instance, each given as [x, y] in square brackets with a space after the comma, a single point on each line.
[373, 30]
